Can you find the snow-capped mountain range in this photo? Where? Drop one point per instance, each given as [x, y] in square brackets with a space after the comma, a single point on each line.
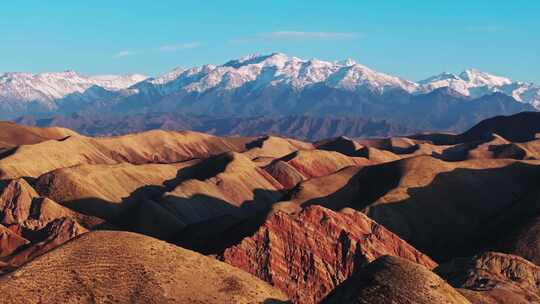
[278, 69]
[241, 80]
[475, 83]
[48, 87]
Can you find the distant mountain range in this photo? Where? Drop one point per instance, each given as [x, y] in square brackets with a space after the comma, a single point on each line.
[300, 127]
[273, 86]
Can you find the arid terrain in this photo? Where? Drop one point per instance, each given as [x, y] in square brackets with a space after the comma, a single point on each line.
[187, 217]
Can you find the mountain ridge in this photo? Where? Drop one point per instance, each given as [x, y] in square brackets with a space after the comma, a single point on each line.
[253, 78]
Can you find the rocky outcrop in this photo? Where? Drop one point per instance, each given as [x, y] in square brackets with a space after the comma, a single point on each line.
[9, 242]
[21, 204]
[31, 225]
[285, 174]
[16, 202]
[43, 240]
[309, 254]
[316, 163]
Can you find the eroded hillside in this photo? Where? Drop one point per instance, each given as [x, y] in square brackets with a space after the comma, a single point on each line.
[341, 220]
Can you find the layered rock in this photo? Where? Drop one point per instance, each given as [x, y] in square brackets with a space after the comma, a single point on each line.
[20, 204]
[309, 254]
[285, 174]
[9, 242]
[35, 224]
[306, 164]
[442, 208]
[52, 235]
[16, 202]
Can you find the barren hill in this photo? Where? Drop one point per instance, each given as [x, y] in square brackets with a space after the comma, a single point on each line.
[125, 267]
[390, 280]
[15, 135]
[494, 278]
[304, 217]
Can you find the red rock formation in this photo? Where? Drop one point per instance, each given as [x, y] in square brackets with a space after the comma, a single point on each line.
[16, 201]
[49, 237]
[35, 225]
[285, 174]
[315, 163]
[309, 254]
[9, 241]
[21, 204]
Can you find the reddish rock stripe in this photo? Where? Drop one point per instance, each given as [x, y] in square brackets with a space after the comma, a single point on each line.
[309, 254]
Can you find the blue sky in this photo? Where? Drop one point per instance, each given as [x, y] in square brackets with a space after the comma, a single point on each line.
[412, 39]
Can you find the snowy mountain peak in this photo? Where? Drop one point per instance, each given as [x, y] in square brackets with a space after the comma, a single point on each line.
[275, 59]
[478, 78]
[169, 76]
[346, 62]
[116, 82]
[445, 76]
[251, 76]
[280, 69]
[475, 83]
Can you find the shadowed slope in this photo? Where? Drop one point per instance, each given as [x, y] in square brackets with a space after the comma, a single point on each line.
[523, 240]
[274, 147]
[493, 147]
[141, 148]
[342, 144]
[105, 190]
[494, 278]
[437, 206]
[125, 267]
[521, 127]
[231, 177]
[220, 200]
[390, 280]
[369, 149]
[461, 211]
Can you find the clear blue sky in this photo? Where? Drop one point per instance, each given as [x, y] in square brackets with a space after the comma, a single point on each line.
[413, 39]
